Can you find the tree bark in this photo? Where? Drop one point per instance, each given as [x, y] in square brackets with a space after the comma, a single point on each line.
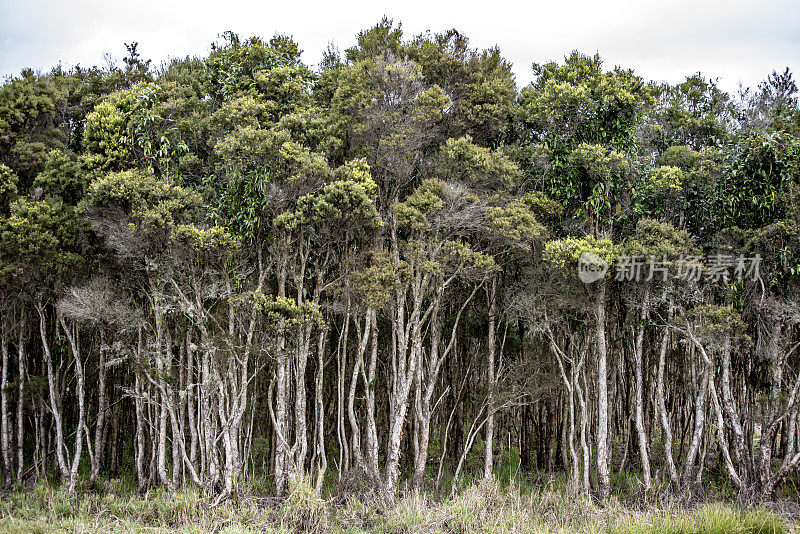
[603, 469]
[5, 422]
[640, 430]
[21, 373]
[488, 459]
[662, 409]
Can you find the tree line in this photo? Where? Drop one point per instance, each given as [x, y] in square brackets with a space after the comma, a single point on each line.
[234, 267]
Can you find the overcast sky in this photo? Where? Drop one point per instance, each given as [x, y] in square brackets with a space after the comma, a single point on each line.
[735, 40]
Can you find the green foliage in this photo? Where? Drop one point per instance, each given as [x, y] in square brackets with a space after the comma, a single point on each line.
[373, 285]
[242, 111]
[579, 103]
[665, 180]
[659, 239]
[516, 222]
[32, 114]
[679, 156]
[254, 151]
[215, 241]
[457, 257]
[151, 134]
[694, 113]
[8, 188]
[710, 322]
[237, 67]
[759, 168]
[596, 179]
[157, 204]
[344, 205]
[563, 254]
[102, 140]
[778, 244]
[285, 309]
[62, 177]
[40, 241]
[413, 212]
[479, 167]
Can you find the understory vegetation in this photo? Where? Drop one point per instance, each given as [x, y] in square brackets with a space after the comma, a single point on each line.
[535, 505]
[236, 292]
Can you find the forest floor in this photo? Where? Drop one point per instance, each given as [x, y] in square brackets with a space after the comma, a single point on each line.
[478, 507]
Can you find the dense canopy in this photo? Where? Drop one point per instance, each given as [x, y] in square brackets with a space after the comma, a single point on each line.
[236, 268]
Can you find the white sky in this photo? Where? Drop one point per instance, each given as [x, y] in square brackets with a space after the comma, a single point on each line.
[734, 40]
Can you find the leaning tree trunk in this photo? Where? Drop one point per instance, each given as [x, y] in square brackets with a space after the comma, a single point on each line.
[54, 405]
[72, 479]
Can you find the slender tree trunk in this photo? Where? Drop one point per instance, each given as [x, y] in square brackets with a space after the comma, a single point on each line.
[54, 404]
[699, 424]
[488, 458]
[341, 368]
[369, 384]
[603, 469]
[322, 460]
[21, 372]
[584, 433]
[72, 480]
[282, 466]
[355, 429]
[640, 430]
[99, 444]
[139, 412]
[662, 408]
[5, 422]
[732, 415]
[772, 418]
[191, 401]
[162, 416]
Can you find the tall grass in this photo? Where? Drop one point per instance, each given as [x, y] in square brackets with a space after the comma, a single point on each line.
[502, 507]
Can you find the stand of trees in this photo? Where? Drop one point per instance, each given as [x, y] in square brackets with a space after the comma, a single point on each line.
[235, 267]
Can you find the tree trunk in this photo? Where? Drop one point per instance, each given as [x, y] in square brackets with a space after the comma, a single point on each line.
[72, 479]
[640, 430]
[699, 424]
[488, 459]
[603, 470]
[99, 444]
[21, 372]
[54, 404]
[662, 408]
[319, 453]
[5, 422]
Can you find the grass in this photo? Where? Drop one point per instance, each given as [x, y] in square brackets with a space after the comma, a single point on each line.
[478, 507]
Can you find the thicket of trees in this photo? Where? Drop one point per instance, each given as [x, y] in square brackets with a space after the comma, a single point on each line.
[235, 267]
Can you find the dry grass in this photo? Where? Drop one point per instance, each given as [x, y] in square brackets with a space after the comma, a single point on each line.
[482, 508]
